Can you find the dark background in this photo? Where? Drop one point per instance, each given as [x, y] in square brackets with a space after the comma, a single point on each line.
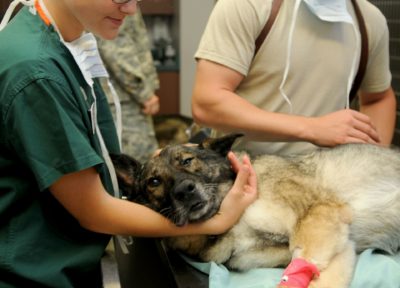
[391, 9]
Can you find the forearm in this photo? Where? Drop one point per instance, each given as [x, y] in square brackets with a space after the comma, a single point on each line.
[82, 194]
[121, 217]
[216, 105]
[381, 108]
[228, 112]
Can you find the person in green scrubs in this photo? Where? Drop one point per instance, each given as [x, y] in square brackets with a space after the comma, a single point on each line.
[57, 209]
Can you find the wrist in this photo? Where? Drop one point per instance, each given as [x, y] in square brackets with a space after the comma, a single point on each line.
[305, 129]
[215, 225]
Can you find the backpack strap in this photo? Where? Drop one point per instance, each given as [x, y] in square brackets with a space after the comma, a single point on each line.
[364, 52]
[276, 5]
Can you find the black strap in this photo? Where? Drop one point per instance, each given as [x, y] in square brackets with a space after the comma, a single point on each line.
[364, 52]
[276, 5]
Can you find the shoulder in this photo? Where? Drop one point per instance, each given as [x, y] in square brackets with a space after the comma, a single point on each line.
[39, 66]
[36, 52]
[376, 24]
[370, 10]
[230, 34]
[23, 72]
[248, 11]
[374, 18]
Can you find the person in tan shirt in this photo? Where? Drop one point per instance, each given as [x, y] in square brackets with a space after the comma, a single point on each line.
[293, 94]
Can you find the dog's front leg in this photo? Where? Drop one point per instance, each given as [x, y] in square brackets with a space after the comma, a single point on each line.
[220, 251]
[321, 239]
[339, 271]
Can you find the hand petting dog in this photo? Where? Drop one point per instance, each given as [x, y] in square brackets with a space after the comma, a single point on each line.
[243, 193]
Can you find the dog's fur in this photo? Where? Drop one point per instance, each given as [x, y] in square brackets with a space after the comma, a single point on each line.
[322, 207]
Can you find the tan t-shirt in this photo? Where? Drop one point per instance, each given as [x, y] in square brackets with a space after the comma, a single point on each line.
[321, 58]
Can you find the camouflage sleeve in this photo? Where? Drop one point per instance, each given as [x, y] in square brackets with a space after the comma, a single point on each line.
[129, 61]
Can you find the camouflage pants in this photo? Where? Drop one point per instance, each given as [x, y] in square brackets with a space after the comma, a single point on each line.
[138, 136]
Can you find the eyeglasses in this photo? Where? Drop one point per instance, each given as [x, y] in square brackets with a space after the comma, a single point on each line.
[123, 1]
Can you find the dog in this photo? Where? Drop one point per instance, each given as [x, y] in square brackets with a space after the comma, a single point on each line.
[323, 207]
[172, 129]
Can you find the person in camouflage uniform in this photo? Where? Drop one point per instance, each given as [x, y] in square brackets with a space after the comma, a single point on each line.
[130, 64]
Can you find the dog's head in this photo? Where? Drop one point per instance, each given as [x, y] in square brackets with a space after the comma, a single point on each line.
[184, 183]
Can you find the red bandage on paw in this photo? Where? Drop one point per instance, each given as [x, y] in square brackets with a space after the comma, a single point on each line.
[299, 274]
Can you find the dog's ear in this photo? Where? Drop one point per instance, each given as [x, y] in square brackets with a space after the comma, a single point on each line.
[128, 173]
[221, 145]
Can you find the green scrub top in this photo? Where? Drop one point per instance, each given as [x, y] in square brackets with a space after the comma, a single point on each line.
[45, 133]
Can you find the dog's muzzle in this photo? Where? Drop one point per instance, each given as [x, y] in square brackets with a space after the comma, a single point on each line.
[188, 202]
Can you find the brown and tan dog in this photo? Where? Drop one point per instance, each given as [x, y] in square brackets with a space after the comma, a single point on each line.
[322, 207]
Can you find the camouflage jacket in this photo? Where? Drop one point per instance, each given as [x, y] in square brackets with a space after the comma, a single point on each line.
[129, 61]
[130, 64]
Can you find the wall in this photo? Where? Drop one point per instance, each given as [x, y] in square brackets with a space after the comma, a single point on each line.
[193, 18]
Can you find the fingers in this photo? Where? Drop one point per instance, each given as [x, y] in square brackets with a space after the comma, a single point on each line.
[156, 153]
[365, 130]
[237, 165]
[344, 126]
[239, 197]
[151, 106]
[246, 179]
[252, 180]
[151, 109]
[358, 136]
[234, 161]
[242, 178]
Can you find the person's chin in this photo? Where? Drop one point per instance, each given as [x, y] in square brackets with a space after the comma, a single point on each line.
[109, 34]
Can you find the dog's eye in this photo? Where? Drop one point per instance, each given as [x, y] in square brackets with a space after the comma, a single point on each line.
[154, 182]
[186, 161]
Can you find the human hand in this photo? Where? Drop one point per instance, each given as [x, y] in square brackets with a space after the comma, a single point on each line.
[344, 126]
[242, 194]
[151, 106]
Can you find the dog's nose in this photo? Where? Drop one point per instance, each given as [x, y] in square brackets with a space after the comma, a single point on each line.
[184, 190]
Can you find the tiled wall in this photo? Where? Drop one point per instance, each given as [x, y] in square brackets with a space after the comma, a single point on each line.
[391, 9]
